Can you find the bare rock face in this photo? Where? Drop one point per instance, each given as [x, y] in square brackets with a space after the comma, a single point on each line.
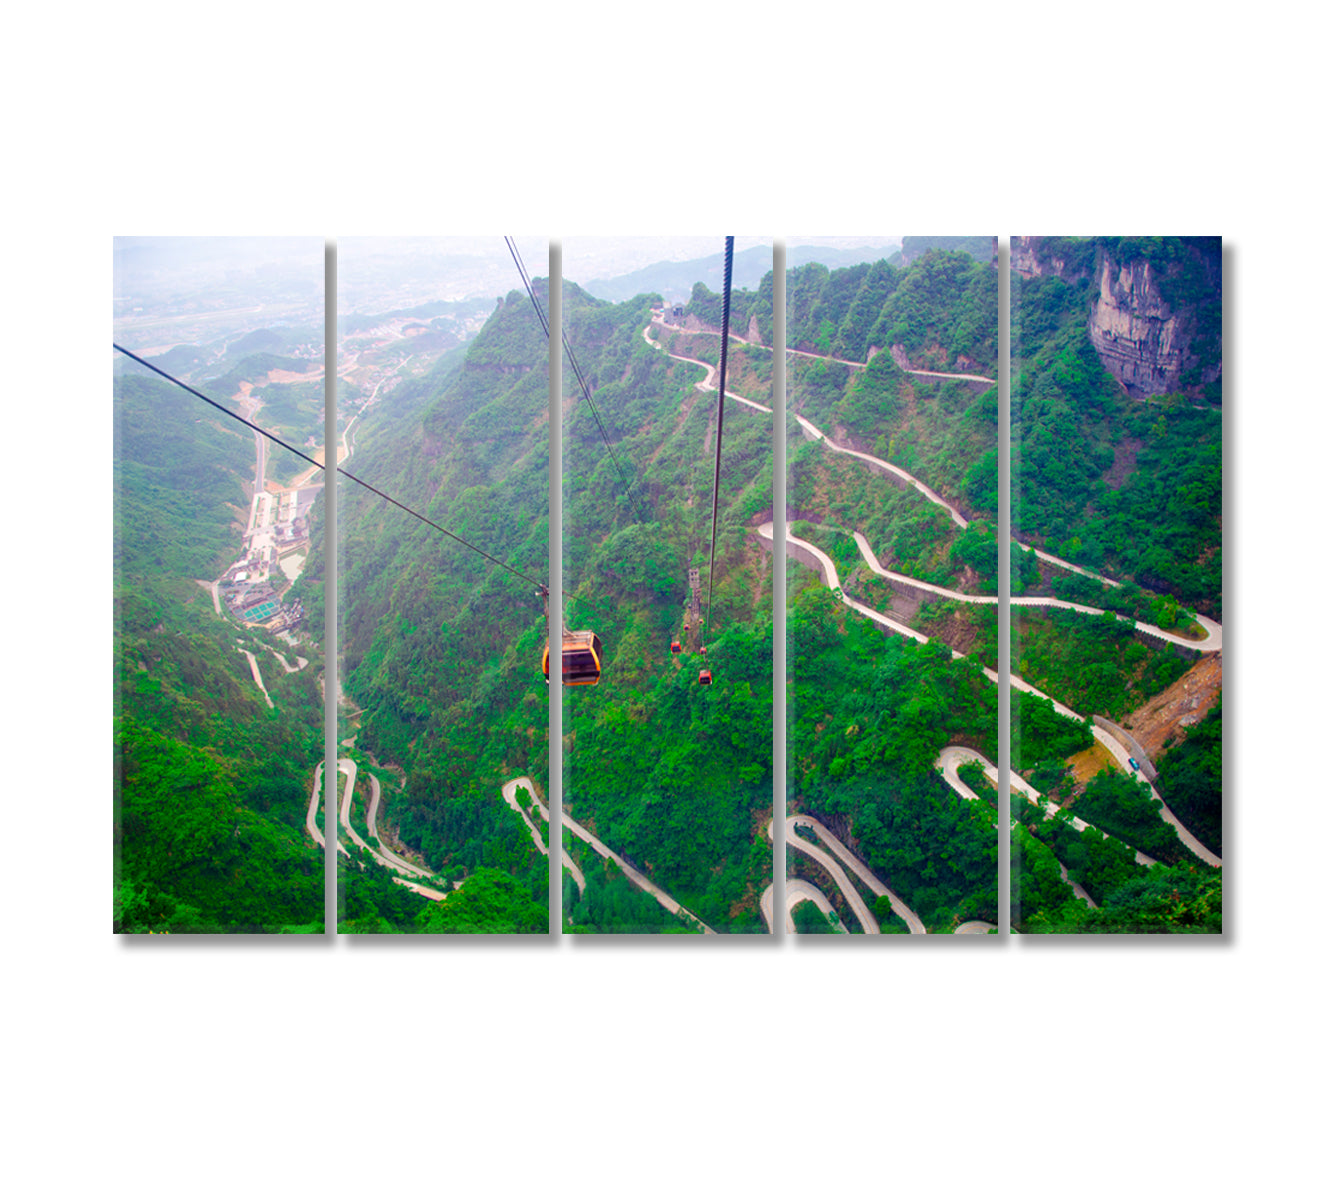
[1137, 336]
[1028, 259]
[1140, 338]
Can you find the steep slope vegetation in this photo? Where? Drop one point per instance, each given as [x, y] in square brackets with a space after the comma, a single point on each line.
[1127, 486]
[441, 648]
[210, 783]
[869, 713]
[674, 776]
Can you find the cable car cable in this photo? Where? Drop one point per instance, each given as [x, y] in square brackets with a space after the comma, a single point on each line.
[346, 474]
[527, 285]
[718, 445]
[578, 374]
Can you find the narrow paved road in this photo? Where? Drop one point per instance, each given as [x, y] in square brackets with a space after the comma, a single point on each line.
[830, 574]
[395, 860]
[831, 867]
[710, 380]
[312, 826]
[349, 768]
[640, 880]
[254, 670]
[797, 891]
[953, 757]
[884, 467]
[836, 872]
[510, 792]
[1214, 640]
[864, 873]
[1214, 631]
[847, 362]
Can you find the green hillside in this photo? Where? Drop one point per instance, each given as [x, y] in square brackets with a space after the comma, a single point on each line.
[441, 649]
[675, 777]
[1128, 487]
[210, 783]
[870, 712]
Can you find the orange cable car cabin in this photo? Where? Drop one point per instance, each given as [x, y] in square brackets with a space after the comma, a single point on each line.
[581, 659]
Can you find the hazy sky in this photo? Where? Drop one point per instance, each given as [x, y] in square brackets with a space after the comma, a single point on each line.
[606, 257]
[377, 274]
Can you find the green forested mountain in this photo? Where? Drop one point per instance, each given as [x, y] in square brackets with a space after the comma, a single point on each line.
[938, 309]
[1129, 487]
[675, 777]
[868, 715]
[180, 496]
[942, 431]
[441, 649]
[1126, 479]
[210, 783]
[869, 712]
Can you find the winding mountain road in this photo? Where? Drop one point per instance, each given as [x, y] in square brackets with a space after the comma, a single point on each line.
[510, 792]
[1214, 631]
[953, 757]
[858, 868]
[847, 362]
[885, 468]
[832, 868]
[797, 891]
[636, 877]
[1212, 642]
[707, 385]
[349, 768]
[392, 859]
[312, 826]
[1122, 756]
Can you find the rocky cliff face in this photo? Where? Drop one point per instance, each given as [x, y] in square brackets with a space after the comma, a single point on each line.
[1030, 258]
[1140, 338]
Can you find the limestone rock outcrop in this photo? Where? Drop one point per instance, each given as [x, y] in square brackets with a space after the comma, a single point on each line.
[1147, 345]
[1138, 337]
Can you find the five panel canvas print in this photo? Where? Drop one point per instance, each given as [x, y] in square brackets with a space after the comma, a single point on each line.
[875, 369]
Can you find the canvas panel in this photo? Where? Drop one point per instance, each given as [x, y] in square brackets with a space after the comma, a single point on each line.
[442, 718]
[892, 349]
[668, 757]
[1116, 570]
[218, 634]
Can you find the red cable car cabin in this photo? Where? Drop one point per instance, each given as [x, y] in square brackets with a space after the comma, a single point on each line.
[706, 676]
[581, 659]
